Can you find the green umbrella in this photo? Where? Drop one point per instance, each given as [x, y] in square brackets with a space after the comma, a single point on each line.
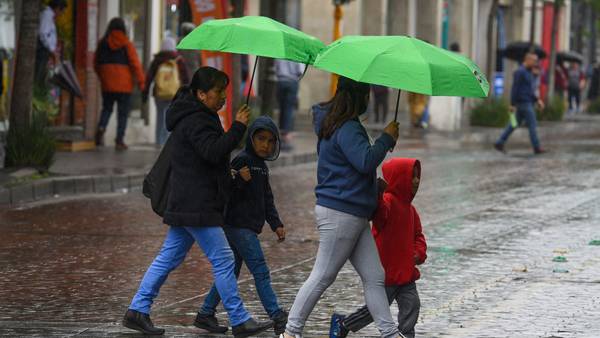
[404, 63]
[256, 35]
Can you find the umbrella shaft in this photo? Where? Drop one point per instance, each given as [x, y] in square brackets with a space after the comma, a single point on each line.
[251, 80]
[397, 104]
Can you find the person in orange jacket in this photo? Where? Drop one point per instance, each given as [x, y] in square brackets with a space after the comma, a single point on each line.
[117, 64]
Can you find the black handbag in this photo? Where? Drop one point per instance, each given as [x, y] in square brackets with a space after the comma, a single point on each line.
[157, 182]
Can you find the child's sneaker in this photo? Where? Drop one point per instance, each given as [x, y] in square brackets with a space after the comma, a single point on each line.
[337, 329]
[279, 322]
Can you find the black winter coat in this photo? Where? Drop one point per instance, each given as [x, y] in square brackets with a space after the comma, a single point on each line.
[252, 202]
[200, 173]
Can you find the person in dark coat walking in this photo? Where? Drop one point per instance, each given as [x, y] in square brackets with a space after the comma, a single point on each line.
[162, 63]
[200, 181]
[251, 204]
[522, 99]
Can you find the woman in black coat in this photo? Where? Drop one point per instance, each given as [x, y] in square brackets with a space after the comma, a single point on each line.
[200, 179]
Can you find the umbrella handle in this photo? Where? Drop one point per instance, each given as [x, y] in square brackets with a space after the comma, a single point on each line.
[251, 80]
[397, 104]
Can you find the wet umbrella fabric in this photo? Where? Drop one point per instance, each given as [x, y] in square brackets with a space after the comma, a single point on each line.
[569, 56]
[64, 77]
[256, 35]
[404, 63]
[516, 50]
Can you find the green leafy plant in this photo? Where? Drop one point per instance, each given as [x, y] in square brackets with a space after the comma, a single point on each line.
[594, 107]
[553, 111]
[42, 101]
[492, 112]
[31, 146]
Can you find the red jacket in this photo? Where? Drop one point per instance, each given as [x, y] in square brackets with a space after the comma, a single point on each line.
[116, 62]
[396, 225]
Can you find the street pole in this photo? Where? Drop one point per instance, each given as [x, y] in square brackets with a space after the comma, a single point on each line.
[338, 15]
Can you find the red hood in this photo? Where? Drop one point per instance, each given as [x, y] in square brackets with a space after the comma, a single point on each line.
[117, 40]
[398, 172]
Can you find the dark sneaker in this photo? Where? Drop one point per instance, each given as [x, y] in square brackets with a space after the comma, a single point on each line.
[250, 328]
[337, 328]
[209, 323]
[500, 147]
[539, 151]
[141, 322]
[100, 137]
[119, 146]
[279, 322]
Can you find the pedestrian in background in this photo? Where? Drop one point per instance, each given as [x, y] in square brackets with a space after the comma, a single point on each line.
[47, 44]
[594, 89]
[380, 95]
[251, 204]
[346, 199]
[199, 189]
[168, 72]
[117, 64]
[192, 58]
[417, 104]
[522, 99]
[576, 84]
[401, 244]
[288, 77]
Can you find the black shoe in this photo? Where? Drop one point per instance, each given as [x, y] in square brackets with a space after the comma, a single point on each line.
[250, 327]
[539, 151]
[500, 147]
[279, 322]
[141, 322]
[209, 323]
[99, 137]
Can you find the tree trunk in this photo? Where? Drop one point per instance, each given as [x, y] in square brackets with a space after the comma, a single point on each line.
[490, 42]
[532, 23]
[551, 79]
[593, 34]
[236, 65]
[22, 93]
[267, 76]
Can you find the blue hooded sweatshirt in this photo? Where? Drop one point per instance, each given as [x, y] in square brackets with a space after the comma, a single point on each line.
[347, 166]
[252, 202]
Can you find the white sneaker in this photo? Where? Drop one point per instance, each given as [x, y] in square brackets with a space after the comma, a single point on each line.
[295, 336]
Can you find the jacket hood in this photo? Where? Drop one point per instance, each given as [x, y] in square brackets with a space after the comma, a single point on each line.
[319, 112]
[398, 172]
[183, 104]
[117, 40]
[263, 123]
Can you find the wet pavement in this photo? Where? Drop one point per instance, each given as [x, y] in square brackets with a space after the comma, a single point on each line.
[493, 223]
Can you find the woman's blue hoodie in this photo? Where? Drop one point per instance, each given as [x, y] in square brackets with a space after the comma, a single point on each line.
[347, 166]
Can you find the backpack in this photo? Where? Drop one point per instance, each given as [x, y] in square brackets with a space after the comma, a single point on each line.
[157, 182]
[167, 80]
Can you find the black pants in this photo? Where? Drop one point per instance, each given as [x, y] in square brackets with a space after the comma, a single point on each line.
[123, 101]
[409, 305]
[574, 93]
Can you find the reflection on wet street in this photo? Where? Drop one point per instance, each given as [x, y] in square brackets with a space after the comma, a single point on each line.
[494, 225]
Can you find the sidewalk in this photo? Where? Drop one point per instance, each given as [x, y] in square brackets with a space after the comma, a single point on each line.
[104, 170]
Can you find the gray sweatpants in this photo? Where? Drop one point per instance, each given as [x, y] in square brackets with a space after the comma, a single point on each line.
[341, 237]
[409, 305]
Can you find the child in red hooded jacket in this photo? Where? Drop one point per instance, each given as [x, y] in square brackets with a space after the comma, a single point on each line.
[401, 245]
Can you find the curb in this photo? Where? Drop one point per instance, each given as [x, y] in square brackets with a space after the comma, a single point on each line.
[49, 188]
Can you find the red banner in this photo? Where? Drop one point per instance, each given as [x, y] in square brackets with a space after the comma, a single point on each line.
[206, 10]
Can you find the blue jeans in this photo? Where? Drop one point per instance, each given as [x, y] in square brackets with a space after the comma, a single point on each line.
[246, 248]
[123, 101]
[525, 112]
[425, 116]
[161, 129]
[287, 96]
[179, 240]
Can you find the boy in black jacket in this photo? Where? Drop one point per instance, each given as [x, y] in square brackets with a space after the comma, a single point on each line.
[250, 205]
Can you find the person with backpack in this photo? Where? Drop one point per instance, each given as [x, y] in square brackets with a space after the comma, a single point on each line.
[168, 72]
[117, 64]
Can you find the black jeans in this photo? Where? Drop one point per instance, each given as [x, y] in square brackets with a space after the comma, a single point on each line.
[574, 93]
[123, 101]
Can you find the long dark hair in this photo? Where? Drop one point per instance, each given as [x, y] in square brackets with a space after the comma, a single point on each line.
[350, 100]
[115, 24]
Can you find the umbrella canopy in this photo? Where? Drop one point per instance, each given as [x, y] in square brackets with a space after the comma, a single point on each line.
[569, 56]
[516, 50]
[64, 77]
[404, 63]
[256, 35]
